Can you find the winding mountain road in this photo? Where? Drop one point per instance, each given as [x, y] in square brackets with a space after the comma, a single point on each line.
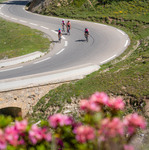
[68, 59]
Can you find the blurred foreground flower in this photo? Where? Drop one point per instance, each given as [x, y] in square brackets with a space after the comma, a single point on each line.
[102, 126]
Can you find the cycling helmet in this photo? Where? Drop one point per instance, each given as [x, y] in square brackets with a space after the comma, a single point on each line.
[85, 28]
[59, 29]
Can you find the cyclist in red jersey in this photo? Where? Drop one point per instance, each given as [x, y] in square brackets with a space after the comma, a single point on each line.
[59, 34]
[86, 33]
[63, 25]
[68, 27]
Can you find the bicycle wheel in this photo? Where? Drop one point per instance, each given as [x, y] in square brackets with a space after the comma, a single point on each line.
[86, 36]
[59, 38]
[63, 29]
[68, 31]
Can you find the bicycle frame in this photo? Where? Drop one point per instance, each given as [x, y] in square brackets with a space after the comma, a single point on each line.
[86, 36]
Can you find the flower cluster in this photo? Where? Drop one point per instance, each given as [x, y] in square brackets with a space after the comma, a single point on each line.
[99, 100]
[84, 133]
[17, 135]
[60, 120]
[111, 128]
[101, 123]
[133, 121]
[38, 134]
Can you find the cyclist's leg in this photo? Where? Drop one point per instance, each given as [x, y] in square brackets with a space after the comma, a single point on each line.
[63, 27]
[68, 29]
[59, 36]
[87, 38]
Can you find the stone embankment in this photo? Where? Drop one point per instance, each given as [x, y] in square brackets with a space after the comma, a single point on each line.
[24, 99]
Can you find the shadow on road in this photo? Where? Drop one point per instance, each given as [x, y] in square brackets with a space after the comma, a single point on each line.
[80, 40]
[54, 41]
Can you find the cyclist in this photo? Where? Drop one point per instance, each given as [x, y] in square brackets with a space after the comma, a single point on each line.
[68, 27]
[86, 33]
[59, 34]
[63, 25]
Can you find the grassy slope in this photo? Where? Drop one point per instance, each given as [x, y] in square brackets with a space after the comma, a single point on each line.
[127, 77]
[17, 40]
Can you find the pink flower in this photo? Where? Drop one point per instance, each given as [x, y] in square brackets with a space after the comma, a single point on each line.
[48, 137]
[12, 136]
[111, 128]
[60, 120]
[128, 147]
[37, 134]
[84, 104]
[89, 106]
[132, 121]
[100, 98]
[2, 140]
[84, 133]
[21, 126]
[116, 104]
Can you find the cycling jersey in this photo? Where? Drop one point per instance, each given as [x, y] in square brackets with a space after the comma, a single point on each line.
[68, 24]
[63, 23]
[59, 31]
[86, 31]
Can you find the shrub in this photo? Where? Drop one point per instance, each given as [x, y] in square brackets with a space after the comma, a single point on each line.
[101, 127]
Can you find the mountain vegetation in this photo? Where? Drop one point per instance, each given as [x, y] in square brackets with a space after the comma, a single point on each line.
[126, 76]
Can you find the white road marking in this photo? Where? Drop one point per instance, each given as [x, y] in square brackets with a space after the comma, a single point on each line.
[11, 69]
[22, 21]
[60, 51]
[42, 60]
[33, 24]
[1, 13]
[126, 43]
[63, 37]
[54, 31]
[108, 59]
[57, 32]
[121, 31]
[14, 18]
[44, 27]
[66, 43]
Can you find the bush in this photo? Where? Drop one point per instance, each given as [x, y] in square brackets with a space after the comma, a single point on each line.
[102, 127]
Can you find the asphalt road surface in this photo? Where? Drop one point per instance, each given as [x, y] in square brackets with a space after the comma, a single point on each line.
[105, 43]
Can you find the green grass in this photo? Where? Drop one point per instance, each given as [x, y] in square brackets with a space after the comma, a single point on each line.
[125, 77]
[2, 1]
[17, 40]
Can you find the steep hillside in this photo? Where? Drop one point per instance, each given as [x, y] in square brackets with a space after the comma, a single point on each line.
[126, 76]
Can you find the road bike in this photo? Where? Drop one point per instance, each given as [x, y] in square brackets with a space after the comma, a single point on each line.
[68, 30]
[86, 36]
[63, 27]
[59, 37]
